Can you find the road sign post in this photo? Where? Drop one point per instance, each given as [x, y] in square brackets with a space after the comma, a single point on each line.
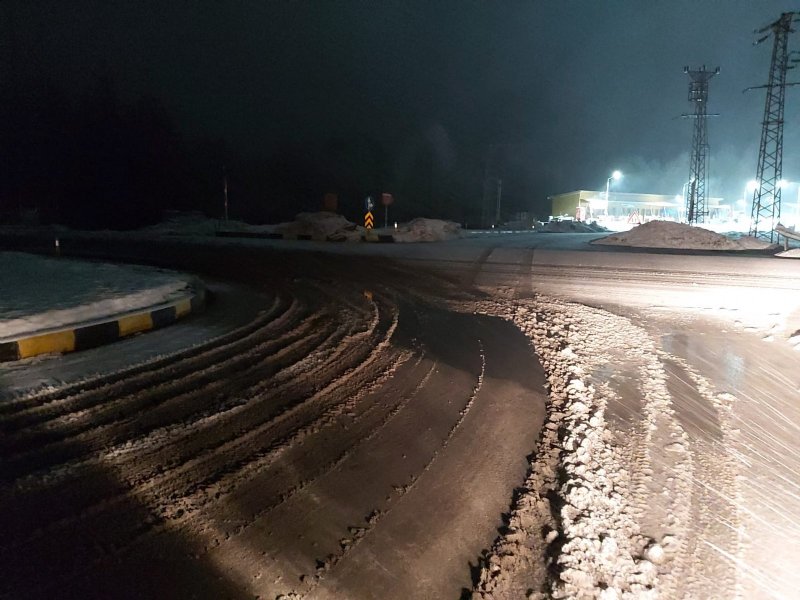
[386, 200]
[369, 204]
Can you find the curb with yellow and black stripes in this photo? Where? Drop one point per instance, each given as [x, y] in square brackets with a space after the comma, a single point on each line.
[104, 332]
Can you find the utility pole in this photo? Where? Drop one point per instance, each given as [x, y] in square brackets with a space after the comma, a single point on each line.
[487, 172]
[698, 95]
[767, 195]
[499, 194]
[225, 189]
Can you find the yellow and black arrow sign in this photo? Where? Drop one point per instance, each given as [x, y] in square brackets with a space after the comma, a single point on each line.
[368, 221]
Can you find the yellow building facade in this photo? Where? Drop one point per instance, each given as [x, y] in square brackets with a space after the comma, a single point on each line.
[587, 205]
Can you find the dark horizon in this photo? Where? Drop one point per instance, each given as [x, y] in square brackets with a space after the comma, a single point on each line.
[113, 111]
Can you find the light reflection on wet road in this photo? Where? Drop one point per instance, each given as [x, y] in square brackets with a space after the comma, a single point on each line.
[765, 380]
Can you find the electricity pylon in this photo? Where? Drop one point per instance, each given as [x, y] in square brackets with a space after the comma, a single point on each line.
[696, 210]
[767, 195]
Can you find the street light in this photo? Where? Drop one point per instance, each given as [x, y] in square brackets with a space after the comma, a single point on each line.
[616, 175]
[750, 188]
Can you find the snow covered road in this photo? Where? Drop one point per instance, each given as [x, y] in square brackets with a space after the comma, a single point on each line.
[372, 425]
[349, 441]
[691, 368]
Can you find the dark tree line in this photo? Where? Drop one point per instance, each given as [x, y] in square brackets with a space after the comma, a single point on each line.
[92, 161]
[95, 162]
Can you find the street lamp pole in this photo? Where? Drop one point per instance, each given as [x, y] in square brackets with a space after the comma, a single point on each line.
[615, 175]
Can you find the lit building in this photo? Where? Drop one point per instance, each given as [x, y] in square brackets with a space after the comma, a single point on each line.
[624, 207]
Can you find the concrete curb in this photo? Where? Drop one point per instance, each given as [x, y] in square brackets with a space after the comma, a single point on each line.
[83, 337]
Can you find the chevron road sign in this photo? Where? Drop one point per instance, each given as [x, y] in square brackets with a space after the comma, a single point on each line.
[368, 221]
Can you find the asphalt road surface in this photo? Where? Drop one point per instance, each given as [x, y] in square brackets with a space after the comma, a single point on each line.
[368, 424]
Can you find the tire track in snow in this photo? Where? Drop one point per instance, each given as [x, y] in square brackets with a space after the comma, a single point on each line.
[332, 399]
[161, 407]
[119, 418]
[338, 460]
[223, 368]
[716, 497]
[190, 434]
[359, 533]
[122, 488]
[475, 268]
[219, 531]
[138, 376]
[344, 383]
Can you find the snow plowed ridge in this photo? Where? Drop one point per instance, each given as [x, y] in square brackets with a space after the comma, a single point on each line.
[622, 500]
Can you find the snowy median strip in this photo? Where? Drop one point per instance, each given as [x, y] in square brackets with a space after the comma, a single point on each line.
[59, 305]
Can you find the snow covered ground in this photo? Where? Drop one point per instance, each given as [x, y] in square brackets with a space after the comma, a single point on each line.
[424, 230]
[41, 293]
[320, 226]
[666, 466]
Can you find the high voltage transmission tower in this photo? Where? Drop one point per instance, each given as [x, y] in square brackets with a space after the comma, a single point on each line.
[767, 195]
[698, 96]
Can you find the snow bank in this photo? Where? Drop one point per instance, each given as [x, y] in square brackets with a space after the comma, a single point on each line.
[608, 509]
[577, 513]
[40, 293]
[426, 230]
[667, 234]
[321, 226]
[570, 227]
[318, 225]
[793, 253]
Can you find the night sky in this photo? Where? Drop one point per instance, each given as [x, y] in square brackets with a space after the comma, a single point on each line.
[410, 96]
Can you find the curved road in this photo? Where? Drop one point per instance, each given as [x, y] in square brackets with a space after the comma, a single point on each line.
[363, 437]
[355, 439]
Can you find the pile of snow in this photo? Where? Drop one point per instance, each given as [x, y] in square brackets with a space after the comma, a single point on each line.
[793, 253]
[570, 227]
[321, 226]
[426, 230]
[668, 234]
[580, 511]
[318, 225]
[42, 293]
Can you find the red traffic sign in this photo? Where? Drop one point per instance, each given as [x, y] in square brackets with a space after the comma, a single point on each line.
[387, 199]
